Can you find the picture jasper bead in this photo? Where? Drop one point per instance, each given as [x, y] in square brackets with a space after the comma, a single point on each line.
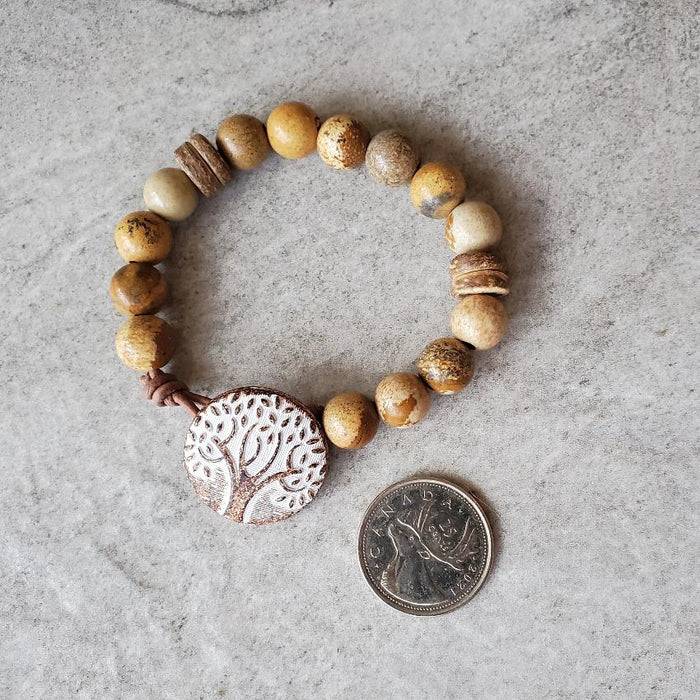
[402, 400]
[145, 342]
[350, 420]
[436, 189]
[391, 158]
[473, 226]
[143, 236]
[243, 141]
[446, 365]
[138, 288]
[170, 194]
[480, 320]
[292, 128]
[342, 142]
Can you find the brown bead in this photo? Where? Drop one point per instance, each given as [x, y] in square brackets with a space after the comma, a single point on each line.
[402, 399]
[342, 142]
[350, 420]
[478, 273]
[143, 236]
[480, 320]
[391, 158]
[197, 170]
[145, 342]
[212, 158]
[480, 282]
[446, 365]
[292, 128]
[482, 260]
[243, 141]
[436, 189]
[138, 288]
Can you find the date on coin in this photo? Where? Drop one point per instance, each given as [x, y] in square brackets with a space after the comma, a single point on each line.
[425, 546]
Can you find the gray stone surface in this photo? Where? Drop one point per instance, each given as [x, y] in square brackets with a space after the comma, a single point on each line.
[578, 122]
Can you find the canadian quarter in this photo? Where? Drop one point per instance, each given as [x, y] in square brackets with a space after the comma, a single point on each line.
[425, 546]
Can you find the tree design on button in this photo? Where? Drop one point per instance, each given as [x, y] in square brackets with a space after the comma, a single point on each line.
[255, 455]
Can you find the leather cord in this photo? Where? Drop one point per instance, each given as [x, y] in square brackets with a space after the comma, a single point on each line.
[167, 390]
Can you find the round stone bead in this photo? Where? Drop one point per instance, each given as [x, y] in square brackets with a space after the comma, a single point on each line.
[342, 142]
[143, 236]
[472, 226]
[145, 342]
[402, 399]
[480, 320]
[436, 189]
[292, 128]
[170, 194]
[138, 288]
[391, 158]
[446, 365]
[243, 141]
[350, 420]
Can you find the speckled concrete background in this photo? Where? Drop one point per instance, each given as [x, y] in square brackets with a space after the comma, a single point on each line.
[578, 122]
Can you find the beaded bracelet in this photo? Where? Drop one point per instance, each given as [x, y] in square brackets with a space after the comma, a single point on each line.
[257, 455]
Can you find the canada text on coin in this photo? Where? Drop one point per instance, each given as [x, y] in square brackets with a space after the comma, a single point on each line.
[425, 546]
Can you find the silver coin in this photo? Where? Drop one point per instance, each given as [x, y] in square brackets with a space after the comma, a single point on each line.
[425, 546]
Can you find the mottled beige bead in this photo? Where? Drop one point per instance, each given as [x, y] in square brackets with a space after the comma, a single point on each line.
[342, 142]
[145, 342]
[292, 128]
[479, 320]
[170, 194]
[143, 236]
[446, 365]
[242, 139]
[350, 420]
[473, 226]
[391, 158]
[436, 189]
[138, 288]
[402, 399]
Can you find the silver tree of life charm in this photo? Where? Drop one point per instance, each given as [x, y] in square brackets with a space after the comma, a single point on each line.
[255, 455]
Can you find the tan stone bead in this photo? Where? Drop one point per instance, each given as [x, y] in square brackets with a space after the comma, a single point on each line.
[342, 142]
[402, 399]
[436, 189]
[145, 342]
[143, 236]
[170, 194]
[243, 141]
[473, 226]
[292, 128]
[479, 320]
[138, 288]
[350, 420]
[446, 365]
[391, 158]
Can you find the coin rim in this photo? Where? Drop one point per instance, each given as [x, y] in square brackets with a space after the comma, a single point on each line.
[417, 610]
